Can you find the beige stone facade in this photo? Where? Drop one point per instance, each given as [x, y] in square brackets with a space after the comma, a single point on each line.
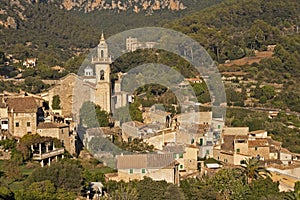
[22, 123]
[156, 166]
[60, 131]
[166, 174]
[160, 138]
[74, 89]
[236, 146]
[22, 115]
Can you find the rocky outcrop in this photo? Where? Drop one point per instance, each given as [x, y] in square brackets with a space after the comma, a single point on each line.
[12, 11]
[124, 5]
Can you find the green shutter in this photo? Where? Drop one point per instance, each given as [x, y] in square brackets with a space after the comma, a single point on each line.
[143, 171]
[131, 171]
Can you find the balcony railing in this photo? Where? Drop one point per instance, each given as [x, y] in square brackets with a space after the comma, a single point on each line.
[48, 154]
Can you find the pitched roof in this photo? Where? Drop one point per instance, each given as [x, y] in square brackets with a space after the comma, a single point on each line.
[22, 104]
[261, 142]
[257, 132]
[139, 161]
[241, 137]
[46, 125]
[174, 148]
[274, 142]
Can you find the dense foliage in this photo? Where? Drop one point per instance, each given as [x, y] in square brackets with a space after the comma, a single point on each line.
[92, 115]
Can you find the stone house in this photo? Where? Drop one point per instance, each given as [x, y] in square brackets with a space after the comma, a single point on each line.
[156, 166]
[185, 155]
[132, 44]
[194, 118]
[160, 138]
[60, 131]
[132, 129]
[22, 115]
[238, 143]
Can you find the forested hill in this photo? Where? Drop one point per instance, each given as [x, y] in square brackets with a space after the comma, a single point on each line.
[230, 29]
[237, 28]
[47, 30]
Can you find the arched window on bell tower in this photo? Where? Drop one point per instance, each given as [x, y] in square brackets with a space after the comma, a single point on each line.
[102, 54]
[101, 74]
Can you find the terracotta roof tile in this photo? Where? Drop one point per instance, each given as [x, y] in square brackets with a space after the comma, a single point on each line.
[46, 125]
[22, 104]
[146, 161]
[175, 148]
[261, 142]
[273, 142]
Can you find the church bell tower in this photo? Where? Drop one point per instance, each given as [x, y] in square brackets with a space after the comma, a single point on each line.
[102, 63]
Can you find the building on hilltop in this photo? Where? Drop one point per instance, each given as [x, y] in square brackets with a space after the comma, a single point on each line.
[132, 44]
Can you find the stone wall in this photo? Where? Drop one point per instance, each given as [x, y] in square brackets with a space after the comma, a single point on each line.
[22, 123]
[156, 174]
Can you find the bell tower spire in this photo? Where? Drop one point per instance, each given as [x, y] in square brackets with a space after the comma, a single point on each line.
[102, 37]
[102, 62]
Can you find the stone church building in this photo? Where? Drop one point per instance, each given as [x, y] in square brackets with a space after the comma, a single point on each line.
[93, 85]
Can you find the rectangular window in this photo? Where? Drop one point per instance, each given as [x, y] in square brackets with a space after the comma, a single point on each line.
[181, 155]
[28, 124]
[130, 171]
[143, 171]
[181, 166]
[201, 141]
[238, 150]
[255, 148]
[219, 126]
[17, 124]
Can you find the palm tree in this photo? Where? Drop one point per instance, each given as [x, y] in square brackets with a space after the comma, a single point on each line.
[252, 170]
[295, 195]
